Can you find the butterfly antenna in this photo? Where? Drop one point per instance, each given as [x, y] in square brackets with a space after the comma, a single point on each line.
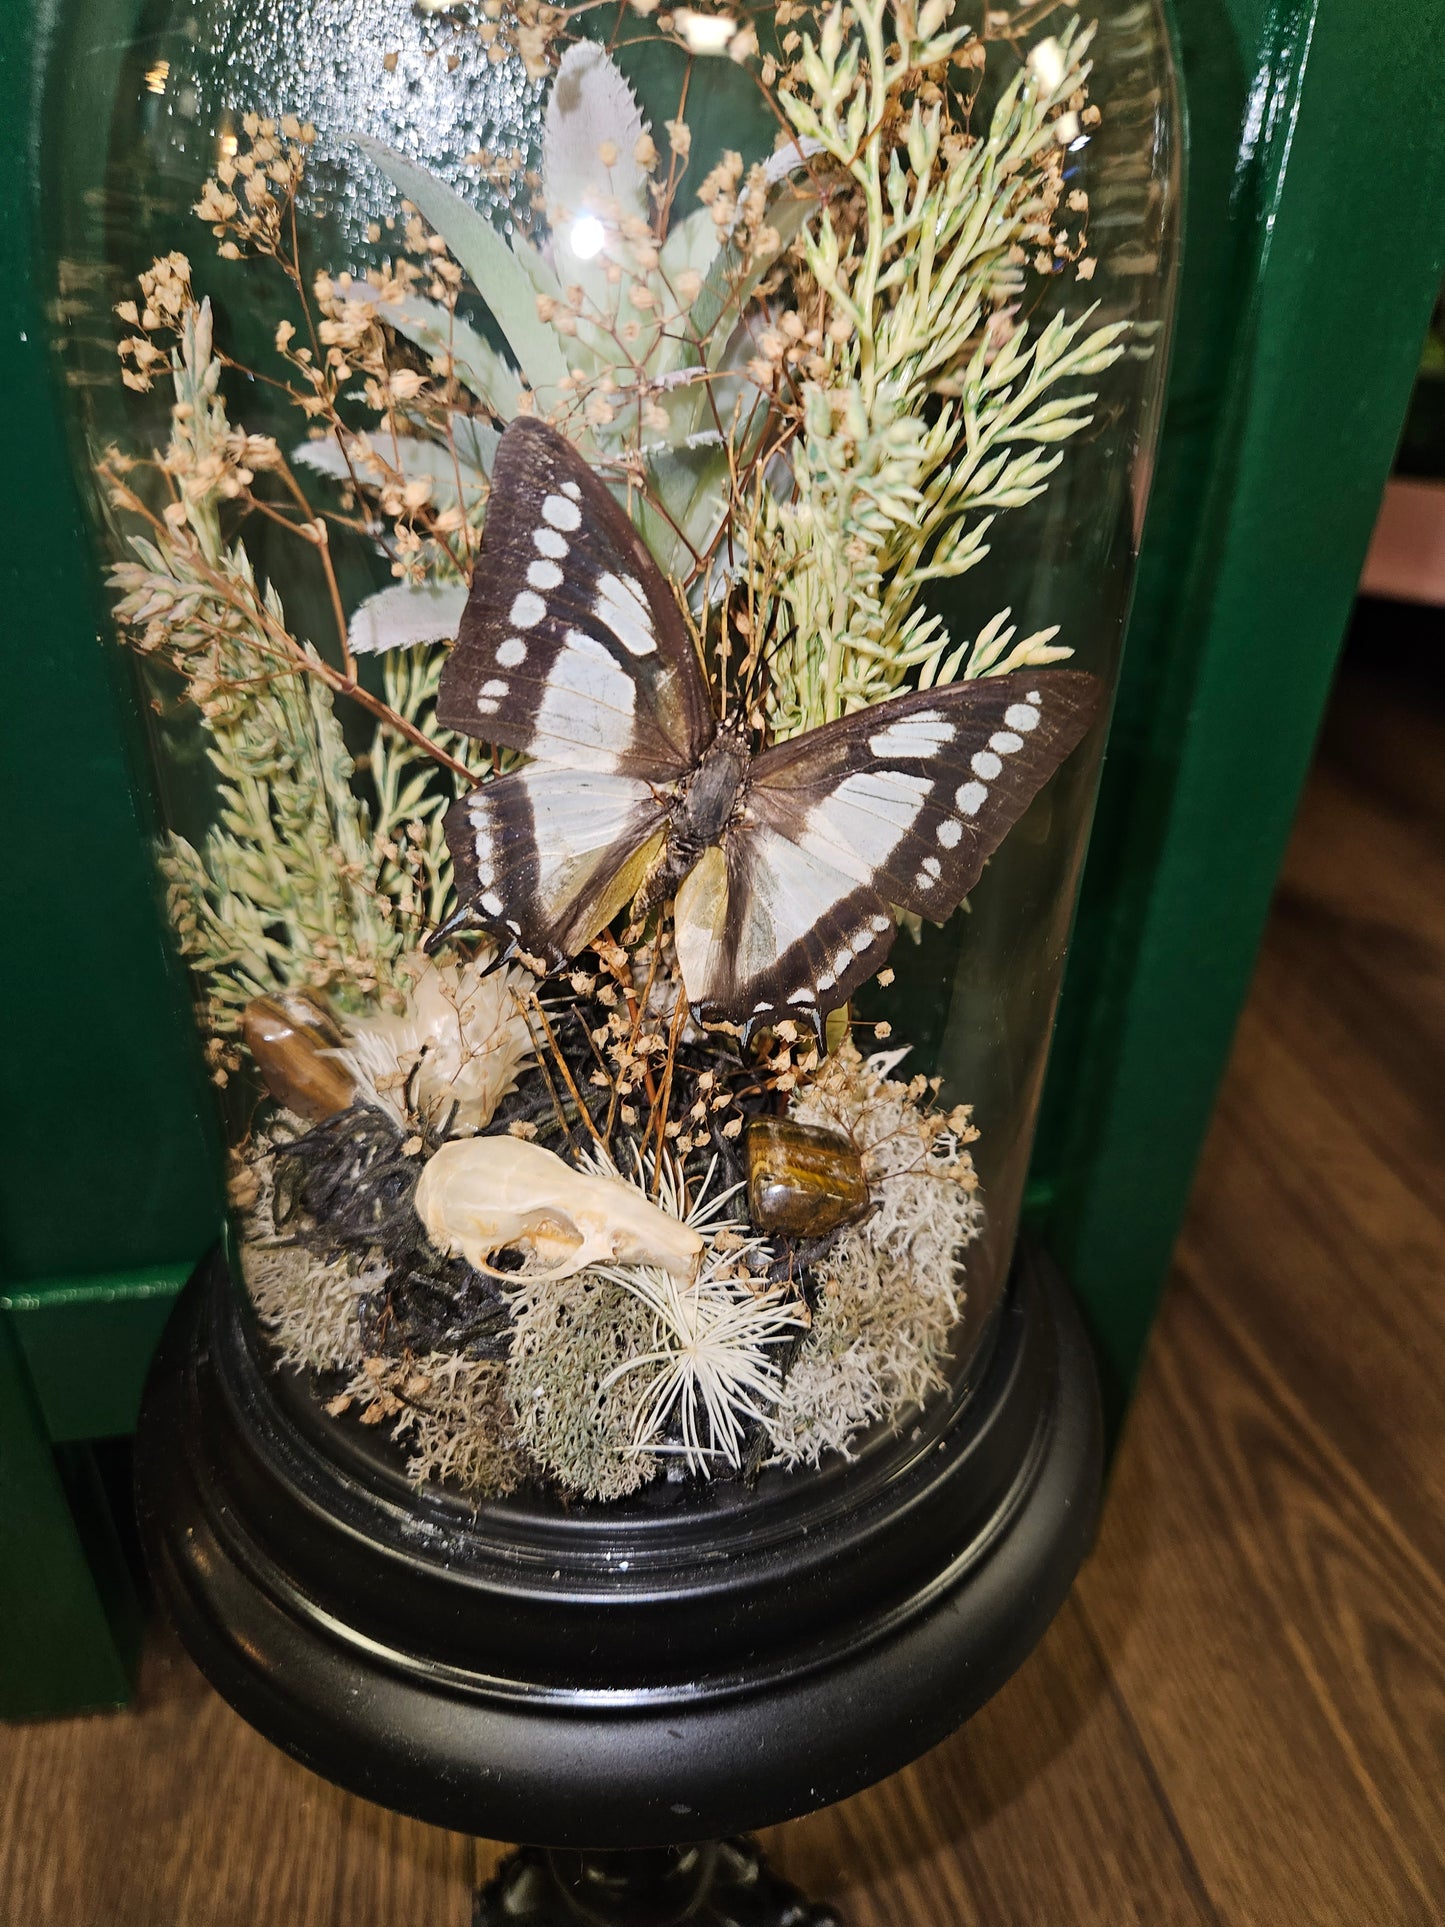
[767, 648]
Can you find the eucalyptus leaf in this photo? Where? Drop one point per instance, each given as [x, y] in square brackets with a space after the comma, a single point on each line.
[404, 615]
[692, 242]
[590, 106]
[466, 460]
[428, 326]
[730, 286]
[508, 277]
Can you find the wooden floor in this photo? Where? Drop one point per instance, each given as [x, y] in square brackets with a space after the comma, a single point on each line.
[1240, 1715]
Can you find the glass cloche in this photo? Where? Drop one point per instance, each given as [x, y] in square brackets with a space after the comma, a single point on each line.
[624, 520]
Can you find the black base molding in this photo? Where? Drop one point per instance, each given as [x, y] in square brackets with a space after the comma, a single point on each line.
[721, 1884]
[686, 1665]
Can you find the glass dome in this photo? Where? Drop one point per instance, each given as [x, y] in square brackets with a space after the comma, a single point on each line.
[531, 459]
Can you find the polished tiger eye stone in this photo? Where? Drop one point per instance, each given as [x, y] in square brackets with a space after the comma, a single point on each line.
[803, 1181]
[288, 1038]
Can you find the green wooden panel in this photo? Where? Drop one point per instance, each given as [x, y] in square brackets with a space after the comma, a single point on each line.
[87, 1344]
[69, 1624]
[106, 1162]
[1314, 249]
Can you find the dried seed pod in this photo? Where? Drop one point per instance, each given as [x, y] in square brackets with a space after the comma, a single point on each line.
[482, 1195]
[290, 1038]
[803, 1181]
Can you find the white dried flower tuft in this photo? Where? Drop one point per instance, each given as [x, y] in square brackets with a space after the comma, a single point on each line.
[706, 1370]
[457, 1047]
[708, 1365]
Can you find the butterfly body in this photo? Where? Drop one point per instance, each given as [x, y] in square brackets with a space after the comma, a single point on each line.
[706, 805]
[786, 867]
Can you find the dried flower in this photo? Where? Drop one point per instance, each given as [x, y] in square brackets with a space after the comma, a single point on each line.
[455, 1050]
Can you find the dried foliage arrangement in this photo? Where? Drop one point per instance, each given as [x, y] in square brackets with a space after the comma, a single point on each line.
[810, 379]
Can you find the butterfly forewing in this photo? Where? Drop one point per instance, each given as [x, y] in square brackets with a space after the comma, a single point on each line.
[572, 647]
[914, 795]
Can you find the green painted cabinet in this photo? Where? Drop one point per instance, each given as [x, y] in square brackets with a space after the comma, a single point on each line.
[1313, 254]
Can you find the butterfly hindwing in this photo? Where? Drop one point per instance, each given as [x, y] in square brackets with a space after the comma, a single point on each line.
[572, 647]
[899, 804]
[546, 857]
[766, 931]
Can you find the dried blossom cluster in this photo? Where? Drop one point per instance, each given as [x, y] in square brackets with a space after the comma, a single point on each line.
[250, 200]
[303, 883]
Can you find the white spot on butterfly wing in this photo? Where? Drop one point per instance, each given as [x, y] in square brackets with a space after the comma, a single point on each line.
[528, 610]
[970, 798]
[543, 574]
[949, 832]
[923, 734]
[1021, 716]
[496, 687]
[479, 816]
[621, 607]
[562, 513]
[1005, 742]
[511, 652]
[548, 542]
[843, 962]
[985, 765]
[491, 903]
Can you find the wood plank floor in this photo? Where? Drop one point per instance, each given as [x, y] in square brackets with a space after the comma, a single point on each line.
[1239, 1718]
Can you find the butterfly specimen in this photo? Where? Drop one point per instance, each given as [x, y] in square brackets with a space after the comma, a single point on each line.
[785, 866]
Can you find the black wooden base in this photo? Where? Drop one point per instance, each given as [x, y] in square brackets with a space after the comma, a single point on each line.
[721, 1884]
[686, 1665]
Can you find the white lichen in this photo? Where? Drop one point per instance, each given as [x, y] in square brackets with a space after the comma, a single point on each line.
[568, 1336]
[449, 1410]
[309, 1304]
[889, 1300]
[617, 1369]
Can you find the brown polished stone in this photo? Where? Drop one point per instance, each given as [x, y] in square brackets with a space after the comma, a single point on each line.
[803, 1181]
[288, 1038]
